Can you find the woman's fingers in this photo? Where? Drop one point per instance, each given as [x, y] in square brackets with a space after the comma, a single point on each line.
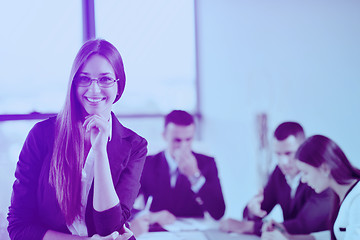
[95, 121]
[126, 235]
[112, 236]
[99, 129]
[98, 122]
[115, 235]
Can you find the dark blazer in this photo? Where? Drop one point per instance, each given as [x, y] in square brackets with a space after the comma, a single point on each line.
[181, 200]
[305, 213]
[34, 208]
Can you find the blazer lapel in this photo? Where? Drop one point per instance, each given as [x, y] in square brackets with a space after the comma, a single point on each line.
[118, 148]
[163, 171]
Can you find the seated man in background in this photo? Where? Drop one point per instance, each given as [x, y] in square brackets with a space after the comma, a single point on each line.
[304, 211]
[182, 183]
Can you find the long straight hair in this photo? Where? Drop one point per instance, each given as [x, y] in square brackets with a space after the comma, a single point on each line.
[318, 149]
[68, 156]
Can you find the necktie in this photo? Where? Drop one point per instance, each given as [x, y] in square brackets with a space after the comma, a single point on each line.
[173, 177]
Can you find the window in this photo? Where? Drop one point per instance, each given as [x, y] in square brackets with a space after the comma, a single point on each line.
[156, 40]
[157, 43]
[38, 44]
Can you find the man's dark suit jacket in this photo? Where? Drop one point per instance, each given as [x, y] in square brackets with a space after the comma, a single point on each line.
[305, 213]
[181, 200]
[34, 208]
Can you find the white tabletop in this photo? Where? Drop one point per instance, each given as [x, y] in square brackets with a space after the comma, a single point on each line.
[195, 229]
[196, 235]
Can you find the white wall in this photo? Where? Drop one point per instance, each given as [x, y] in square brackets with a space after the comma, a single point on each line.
[294, 60]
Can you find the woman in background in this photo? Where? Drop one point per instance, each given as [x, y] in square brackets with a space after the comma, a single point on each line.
[324, 165]
[78, 173]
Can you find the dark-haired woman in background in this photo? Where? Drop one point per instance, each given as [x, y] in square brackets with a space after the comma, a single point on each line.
[78, 173]
[324, 165]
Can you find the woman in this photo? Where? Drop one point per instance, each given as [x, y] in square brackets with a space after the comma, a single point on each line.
[78, 173]
[324, 165]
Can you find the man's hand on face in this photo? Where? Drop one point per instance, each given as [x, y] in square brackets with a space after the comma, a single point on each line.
[186, 161]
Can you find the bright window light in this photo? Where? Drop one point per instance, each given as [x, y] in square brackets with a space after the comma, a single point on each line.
[157, 42]
[39, 40]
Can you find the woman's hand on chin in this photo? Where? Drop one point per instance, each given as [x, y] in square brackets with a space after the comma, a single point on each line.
[99, 129]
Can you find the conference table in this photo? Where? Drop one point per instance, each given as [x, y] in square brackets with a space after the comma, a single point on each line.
[194, 229]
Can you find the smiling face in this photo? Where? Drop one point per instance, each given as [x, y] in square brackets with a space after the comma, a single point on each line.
[317, 178]
[285, 151]
[95, 99]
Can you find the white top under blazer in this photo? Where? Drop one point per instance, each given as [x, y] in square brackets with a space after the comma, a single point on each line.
[347, 224]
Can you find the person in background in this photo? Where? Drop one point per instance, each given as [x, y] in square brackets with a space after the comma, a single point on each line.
[324, 165]
[180, 182]
[79, 172]
[304, 211]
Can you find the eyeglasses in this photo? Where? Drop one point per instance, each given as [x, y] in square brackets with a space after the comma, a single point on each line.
[104, 82]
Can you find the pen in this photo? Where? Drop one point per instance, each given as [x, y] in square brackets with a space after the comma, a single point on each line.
[278, 228]
[148, 204]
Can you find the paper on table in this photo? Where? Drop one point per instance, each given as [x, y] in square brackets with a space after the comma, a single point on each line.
[189, 235]
[191, 224]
